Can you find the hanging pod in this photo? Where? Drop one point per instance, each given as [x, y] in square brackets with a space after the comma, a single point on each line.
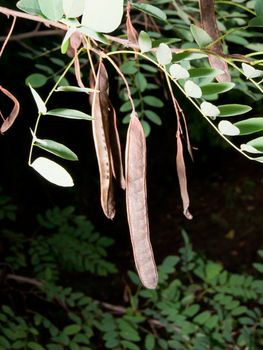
[136, 203]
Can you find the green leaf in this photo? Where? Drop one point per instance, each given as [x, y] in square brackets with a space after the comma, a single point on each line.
[73, 8]
[146, 128]
[251, 72]
[129, 345]
[233, 109]
[51, 9]
[150, 10]
[39, 102]
[145, 42]
[29, 6]
[149, 342]
[34, 346]
[140, 81]
[153, 117]
[52, 172]
[56, 148]
[258, 267]
[192, 89]
[102, 16]
[94, 35]
[164, 54]
[153, 101]
[259, 8]
[69, 113]
[227, 128]
[249, 126]
[212, 270]
[129, 67]
[216, 88]
[202, 317]
[256, 22]
[257, 143]
[204, 72]
[239, 310]
[4, 343]
[36, 80]
[72, 329]
[201, 37]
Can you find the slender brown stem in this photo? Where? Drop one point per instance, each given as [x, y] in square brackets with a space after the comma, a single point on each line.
[8, 36]
[33, 34]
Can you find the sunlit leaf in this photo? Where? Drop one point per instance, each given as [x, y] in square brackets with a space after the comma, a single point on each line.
[189, 56]
[249, 126]
[233, 109]
[192, 89]
[73, 8]
[150, 10]
[69, 113]
[209, 109]
[251, 72]
[56, 148]
[39, 102]
[248, 148]
[164, 54]
[178, 72]
[94, 35]
[102, 15]
[51, 9]
[74, 89]
[145, 42]
[257, 143]
[227, 128]
[200, 35]
[52, 172]
[29, 6]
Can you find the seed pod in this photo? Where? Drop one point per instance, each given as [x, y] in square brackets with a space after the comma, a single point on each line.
[100, 128]
[136, 202]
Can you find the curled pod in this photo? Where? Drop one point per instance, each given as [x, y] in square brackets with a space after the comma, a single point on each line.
[136, 203]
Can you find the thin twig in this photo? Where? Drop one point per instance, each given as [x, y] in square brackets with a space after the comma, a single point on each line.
[8, 36]
[33, 34]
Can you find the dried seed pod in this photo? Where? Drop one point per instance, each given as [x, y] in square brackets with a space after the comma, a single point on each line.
[136, 202]
[100, 128]
[8, 122]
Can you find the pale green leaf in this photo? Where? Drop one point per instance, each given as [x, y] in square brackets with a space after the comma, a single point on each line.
[145, 42]
[75, 89]
[39, 102]
[249, 126]
[56, 148]
[150, 10]
[51, 9]
[102, 16]
[209, 109]
[251, 72]
[248, 148]
[233, 109]
[52, 172]
[73, 8]
[69, 113]
[29, 6]
[93, 34]
[65, 41]
[36, 80]
[227, 128]
[257, 143]
[216, 88]
[201, 37]
[178, 72]
[164, 54]
[192, 89]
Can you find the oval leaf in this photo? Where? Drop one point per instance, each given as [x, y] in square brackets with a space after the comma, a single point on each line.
[150, 10]
[204, 72]
[73, 8]
[201, 37]
[233, 109]
[56, 148]
[192, 90]
[209, 109]
[248, 148]
[227, 128]
[51, 9]
[251, 72]
[216, 88]
[29, 6]
[249, 126]
[102, 15]
[145, 42]
[36, 80]
[178, 72]
[164, 54]
[52, 172]
[257, 143]
[69, 113]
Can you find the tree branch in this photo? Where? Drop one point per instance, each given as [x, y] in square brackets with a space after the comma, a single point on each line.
[33, 34]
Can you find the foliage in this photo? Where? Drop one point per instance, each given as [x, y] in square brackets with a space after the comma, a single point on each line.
[198, 303]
